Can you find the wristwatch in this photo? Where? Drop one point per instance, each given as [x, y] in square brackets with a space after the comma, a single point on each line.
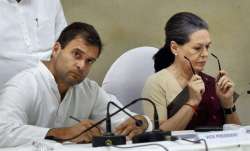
[229, 110]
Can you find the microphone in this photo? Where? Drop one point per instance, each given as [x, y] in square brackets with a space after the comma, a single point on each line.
[109, 138]
[155, 135]
[137, 122]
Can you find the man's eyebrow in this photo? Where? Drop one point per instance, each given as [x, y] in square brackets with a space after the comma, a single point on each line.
[83, 52]
[79, 49]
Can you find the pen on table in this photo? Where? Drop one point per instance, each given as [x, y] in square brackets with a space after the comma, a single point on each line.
[76, 119]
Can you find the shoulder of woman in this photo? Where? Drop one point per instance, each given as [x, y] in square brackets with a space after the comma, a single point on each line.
[157, 81]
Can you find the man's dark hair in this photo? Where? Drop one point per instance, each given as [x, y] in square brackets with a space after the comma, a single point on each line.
[84, 31]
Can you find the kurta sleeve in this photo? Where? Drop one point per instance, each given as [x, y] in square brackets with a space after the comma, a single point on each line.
[16, 101]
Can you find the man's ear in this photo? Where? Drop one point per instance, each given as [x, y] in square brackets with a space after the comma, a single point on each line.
[56, 49]
[174, 47]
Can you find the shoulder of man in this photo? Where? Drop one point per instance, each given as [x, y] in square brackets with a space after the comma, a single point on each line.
[88, 84]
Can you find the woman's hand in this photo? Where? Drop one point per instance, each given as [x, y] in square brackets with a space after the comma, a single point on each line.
[225, 89]
[196, 88]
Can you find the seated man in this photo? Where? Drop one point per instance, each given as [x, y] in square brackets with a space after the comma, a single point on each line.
[38, 102]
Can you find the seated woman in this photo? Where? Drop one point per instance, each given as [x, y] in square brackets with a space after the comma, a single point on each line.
[208, 101]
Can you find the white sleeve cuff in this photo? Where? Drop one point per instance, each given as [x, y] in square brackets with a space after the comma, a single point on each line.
[150, 125]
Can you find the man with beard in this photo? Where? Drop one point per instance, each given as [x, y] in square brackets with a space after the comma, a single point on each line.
[38, 102]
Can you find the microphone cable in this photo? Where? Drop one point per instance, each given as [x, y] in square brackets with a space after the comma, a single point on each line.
[197, 142]
[136, 146]
[156, 124]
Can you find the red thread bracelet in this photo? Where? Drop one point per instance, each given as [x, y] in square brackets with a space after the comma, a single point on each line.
[194, 108]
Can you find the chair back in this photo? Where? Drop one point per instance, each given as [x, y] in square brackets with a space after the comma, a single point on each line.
[126, 77]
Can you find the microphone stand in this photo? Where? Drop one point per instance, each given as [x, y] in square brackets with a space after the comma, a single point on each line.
[155, 135]
[109, 138]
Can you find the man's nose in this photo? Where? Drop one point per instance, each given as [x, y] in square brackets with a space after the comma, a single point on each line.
[80, 65]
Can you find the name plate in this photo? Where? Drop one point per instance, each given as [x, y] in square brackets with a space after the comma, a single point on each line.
[246, 128]
[228, 136]
[246, 131]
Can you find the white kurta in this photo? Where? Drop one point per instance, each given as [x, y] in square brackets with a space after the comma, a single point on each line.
[28, 30]
[32, 98]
